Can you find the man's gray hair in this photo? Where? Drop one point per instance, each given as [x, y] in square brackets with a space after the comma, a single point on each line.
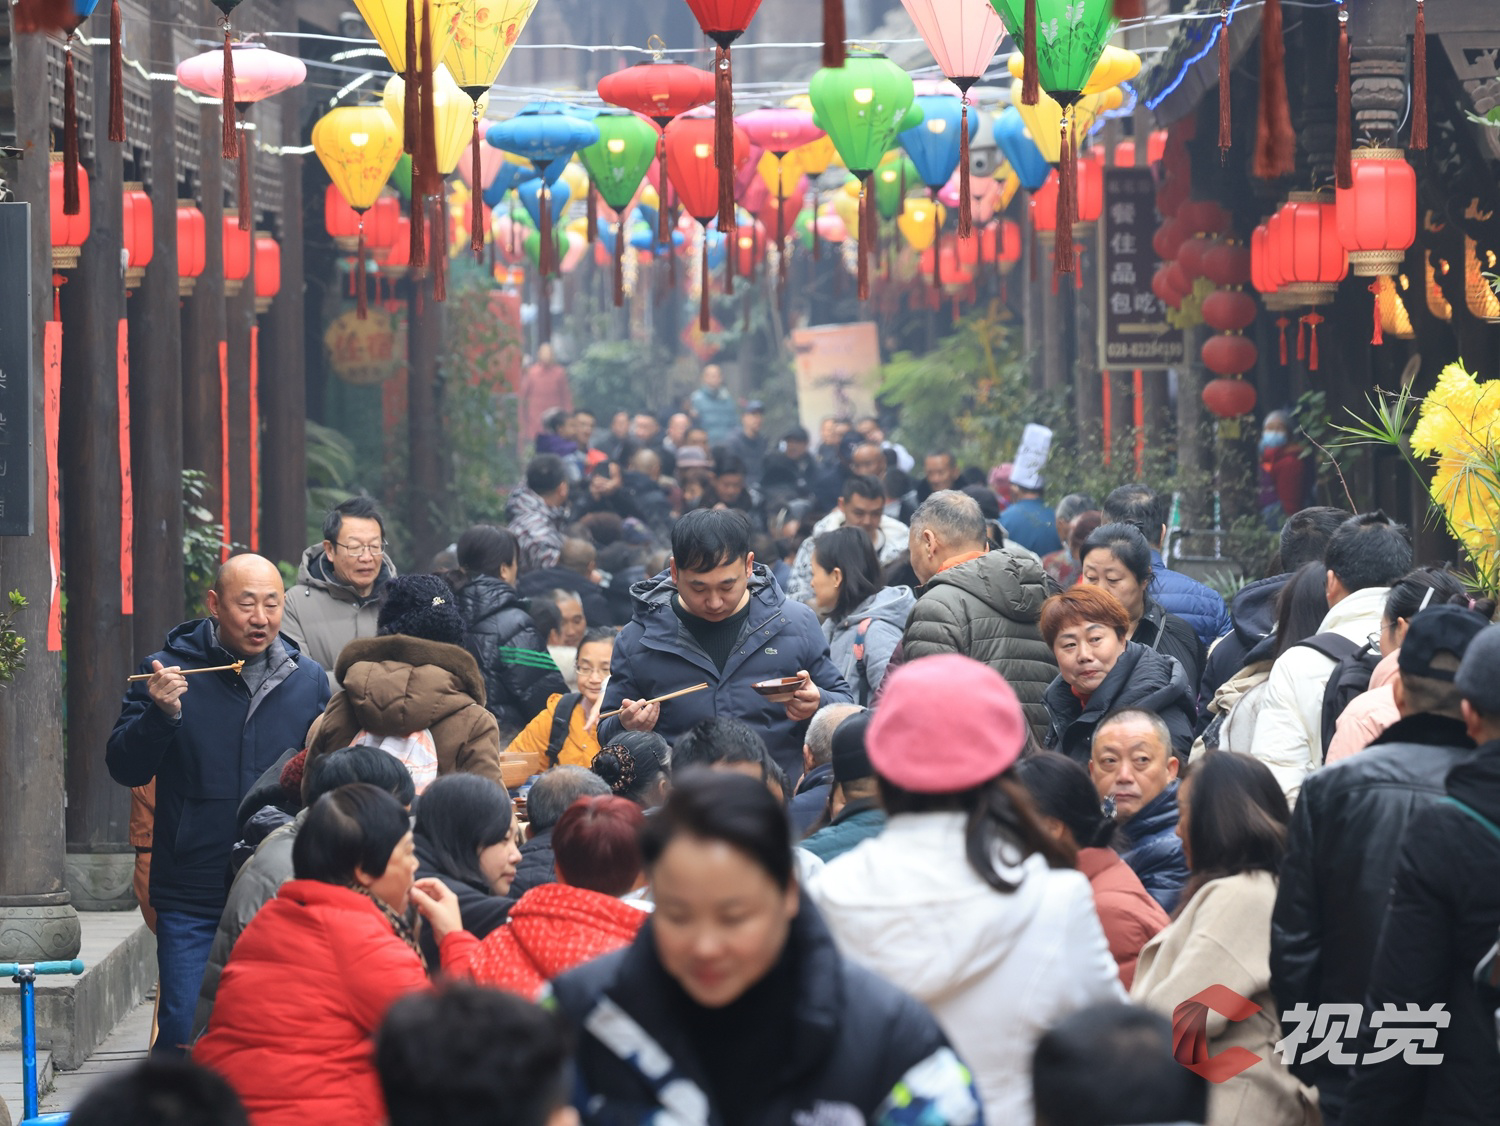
[1137, 715]
[819, 738]
[554, 791]
[1074, 505]
[953, 517]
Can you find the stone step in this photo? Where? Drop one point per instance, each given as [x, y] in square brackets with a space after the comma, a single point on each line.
[10, 1079]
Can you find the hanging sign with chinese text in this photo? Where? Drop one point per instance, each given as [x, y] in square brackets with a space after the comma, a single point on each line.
[1134, 333]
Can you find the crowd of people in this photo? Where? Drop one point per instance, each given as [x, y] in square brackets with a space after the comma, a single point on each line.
[741, 783]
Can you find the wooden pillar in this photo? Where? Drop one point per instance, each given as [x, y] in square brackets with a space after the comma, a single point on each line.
[100, 640]
[283, 368]
[156, 377]
[37, 918]
[239, 318]
[424, 487]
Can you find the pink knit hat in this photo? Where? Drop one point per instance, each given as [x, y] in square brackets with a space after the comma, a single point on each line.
[945, 724]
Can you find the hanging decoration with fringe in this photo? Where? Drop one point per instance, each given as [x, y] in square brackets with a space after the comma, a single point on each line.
[724, 21]
[833, 33]
[1343, 143]
[77, 12]
[116, 73]
[358, 146]
[1275, 141]
[1225, 133]
[1419, 80]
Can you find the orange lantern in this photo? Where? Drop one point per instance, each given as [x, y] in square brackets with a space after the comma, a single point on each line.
[238, 250]
[1090, 189]
[1044, 206]
[398, 257]
[1377, 213]
[69, 232]
[192, 245]
[138, 233]
[340, 220]
[267, 253]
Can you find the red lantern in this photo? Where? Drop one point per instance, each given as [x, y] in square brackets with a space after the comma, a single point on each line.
[69, 232]
[1229, 398]
[1229, 354]
[1177, 278]
[1173, 194]
[1204, 217]
[1190, 255]
[1156, 148]
[750, 247]
[192, 245]
[1044, 206]
[1311, 256]
[398, 257]
[138, 233]
[1377, 213]
[1260, 260]
[1227, 263]
[1168, 239]
[380, 225]
[267, 270]
[238, 249]
[1229, 310]
[724, 21]
[341, 220]
[689, 141]
[1161, 285]
[1009, 240]
[1090, 189]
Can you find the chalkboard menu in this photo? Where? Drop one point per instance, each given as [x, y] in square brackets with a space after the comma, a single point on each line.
[1134, 333]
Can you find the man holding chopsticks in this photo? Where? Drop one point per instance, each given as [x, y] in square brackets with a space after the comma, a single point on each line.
[716, 617]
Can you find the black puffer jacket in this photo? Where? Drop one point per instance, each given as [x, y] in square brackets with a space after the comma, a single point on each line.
[518, 674]
[1444, 913]
[1142, 678]
[1169, 634]
[1335, 885]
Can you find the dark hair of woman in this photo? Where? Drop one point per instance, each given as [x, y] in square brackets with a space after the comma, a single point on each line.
[353, 828]
[1237, 819]
[457, 816]
[717, 805]
[851, 552]
[1301, 606]
[484, 549]
[633, 764]
[1128, 546]
[1431, 586]
[1061, 789]
[1001, 818]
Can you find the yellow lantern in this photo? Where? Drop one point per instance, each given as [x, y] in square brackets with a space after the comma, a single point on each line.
[816, 156]
[576, 179]
[387, 22]
[1115, 65]
[359, 146]
[846, 207]
[452, 110]
[1044, 119]
[919, 222]
[781, 177]
[649, 197]
[483, 34]
[1009, 186]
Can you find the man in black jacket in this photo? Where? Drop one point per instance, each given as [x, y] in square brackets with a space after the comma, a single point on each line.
[1346, 840]
[546, 801]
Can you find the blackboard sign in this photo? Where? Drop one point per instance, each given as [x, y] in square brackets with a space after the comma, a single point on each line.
[1134, 333]
[16, 517]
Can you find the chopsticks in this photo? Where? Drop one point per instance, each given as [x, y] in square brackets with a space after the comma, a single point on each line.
[659, 699]
[235, 667]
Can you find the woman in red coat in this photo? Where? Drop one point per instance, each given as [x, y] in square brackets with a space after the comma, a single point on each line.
[554, 927]
[313, 974]
[1069, 807]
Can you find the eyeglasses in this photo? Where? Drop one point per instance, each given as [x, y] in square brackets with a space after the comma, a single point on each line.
[362, 550]
[592, 670]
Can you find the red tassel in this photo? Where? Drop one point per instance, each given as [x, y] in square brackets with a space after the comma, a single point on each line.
[71, 202]
[1302, 338]
[620, 259]
[244, 185]
[661, 180]
[1281, 327]
[231, 140]
[1067, 176]
[432, 183]
[440, 248]
[866, 232]
[116, 73]
[1313, 320]
[724, 137]
[412, 127]
[1343, 171]
[1030, 83]
[1224, 130]
[593, 215]
[965, 210]
[1419, 80]
[833, 33]
[418, 229]
[362, 306]
[1128, 10]
[1377, 338]
[476, 201]
[1275, 142]
[706, 281]
[544, 227]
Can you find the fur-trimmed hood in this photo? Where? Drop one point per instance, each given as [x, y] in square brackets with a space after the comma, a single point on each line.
[408, 681]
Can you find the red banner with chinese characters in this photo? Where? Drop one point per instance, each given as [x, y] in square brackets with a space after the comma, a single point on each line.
[224, 447]
[255, 438]
[52, 415]
[127, 489]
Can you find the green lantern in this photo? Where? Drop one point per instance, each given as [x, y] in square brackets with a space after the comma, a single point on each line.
[533, 245]
[803, 228]
[863, 106]
[401, 177]
[893, 179]
[617, 162]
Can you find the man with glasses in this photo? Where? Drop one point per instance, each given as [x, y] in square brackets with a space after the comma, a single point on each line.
[337, 596]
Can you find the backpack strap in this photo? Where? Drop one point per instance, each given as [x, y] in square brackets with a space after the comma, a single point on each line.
[1335, 646]
[1490, 826]
[859, 660]
[562, 717]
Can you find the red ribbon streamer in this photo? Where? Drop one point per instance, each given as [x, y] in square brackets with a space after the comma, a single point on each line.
[52, 335]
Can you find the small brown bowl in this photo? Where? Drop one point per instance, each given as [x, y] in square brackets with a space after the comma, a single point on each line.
[782, 686]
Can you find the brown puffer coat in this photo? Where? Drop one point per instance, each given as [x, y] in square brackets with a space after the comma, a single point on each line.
[988, 609]
[396, 685]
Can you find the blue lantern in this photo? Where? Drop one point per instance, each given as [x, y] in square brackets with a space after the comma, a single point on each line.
[546, 134]
[531, 199]
[1014, 139]
[509, 175]
[934, 145]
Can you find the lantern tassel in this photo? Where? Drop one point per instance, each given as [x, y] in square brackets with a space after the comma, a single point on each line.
[1419, 80]
[706, 283]
[866, 196]
[833, 33]
[724, 136]
[593, 215]
[418, 230]
[1128, 10]
[1313, 321]
[476, 201]
[620, 259]
[432, 182]
[1062, 244]
[1275, 142]
[411, 125]
[544, 229]
[1302, 338]
[1224, 110]
[661, 182]
[439, 248]
[116, 73]
[1030, 83]
[71, 202]
[362, 300]
[244, 184]
[965, 210]
[1281, 327]
[1343, 171]
[231, 142]
[1377, 338]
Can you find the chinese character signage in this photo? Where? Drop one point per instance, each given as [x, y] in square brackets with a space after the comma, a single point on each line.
[1133, 330]
[15, 370]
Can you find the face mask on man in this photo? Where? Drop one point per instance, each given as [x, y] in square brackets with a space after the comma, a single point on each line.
[1272, 439]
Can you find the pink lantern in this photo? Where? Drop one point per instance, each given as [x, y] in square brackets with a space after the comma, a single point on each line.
[258, 73]
[779, 129]
[490, 160]
[577, 247]
[831, 228]
[963, 36]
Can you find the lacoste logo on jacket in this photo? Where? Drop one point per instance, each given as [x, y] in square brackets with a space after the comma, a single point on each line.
[770, 651]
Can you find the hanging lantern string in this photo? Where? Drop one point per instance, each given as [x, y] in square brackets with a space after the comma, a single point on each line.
[116, 73]
[230, 148]
[1343, 144]
[476, 202]
[1224, 102]
[1419, 80]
